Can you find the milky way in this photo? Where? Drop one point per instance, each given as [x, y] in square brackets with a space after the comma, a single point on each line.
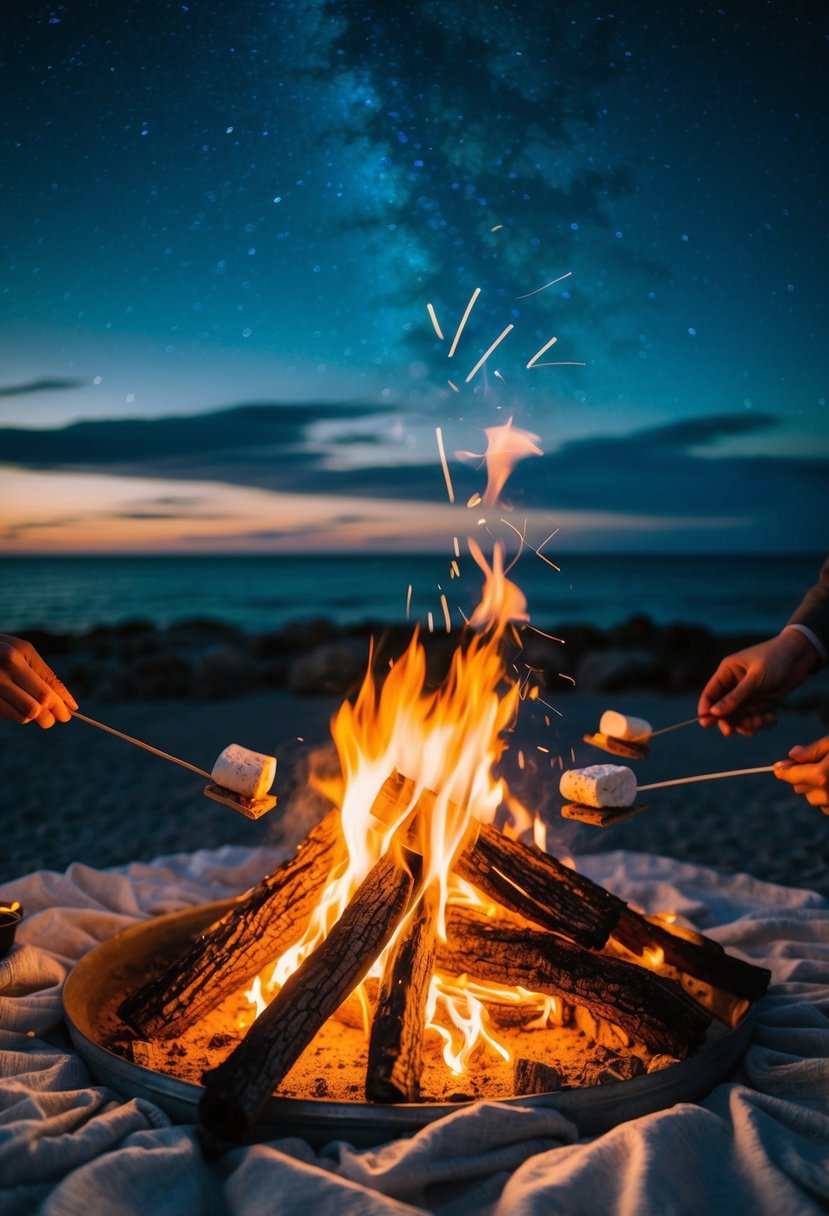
[215, 205]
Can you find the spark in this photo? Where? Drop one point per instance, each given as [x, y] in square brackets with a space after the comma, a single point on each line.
[456, 546]
[551, 283]
[500, 377]
[521, 761]
[538, 552]
[409, 602]
[551, 708]
[545, 750]
[541, 352]
[464, 320]
[497, 228]
[487, 353]
[562, 363]
[453, 386]
[445, 466]
[434, 320]
[475, 501]
[563, 675]
[431, 621]
[446, 617]
[551, 636]
[522, 536]
[454, 569]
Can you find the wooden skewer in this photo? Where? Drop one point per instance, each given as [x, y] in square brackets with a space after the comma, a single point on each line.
[735, 772]
[138, 743]
[664, 730]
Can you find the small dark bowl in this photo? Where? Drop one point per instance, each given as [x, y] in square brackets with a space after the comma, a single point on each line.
[10, 917]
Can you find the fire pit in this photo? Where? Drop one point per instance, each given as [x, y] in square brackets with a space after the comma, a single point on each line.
[413, 955]
[103, 977]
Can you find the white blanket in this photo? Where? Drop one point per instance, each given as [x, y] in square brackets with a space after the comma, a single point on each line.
[759, 1143]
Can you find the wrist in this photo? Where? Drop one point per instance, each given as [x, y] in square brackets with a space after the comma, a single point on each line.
[803, 648]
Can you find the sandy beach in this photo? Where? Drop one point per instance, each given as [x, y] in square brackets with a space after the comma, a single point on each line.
[73, 794]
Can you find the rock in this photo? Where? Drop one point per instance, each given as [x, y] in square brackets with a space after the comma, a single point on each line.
[616, 671]
[224, 671]
[330, 668]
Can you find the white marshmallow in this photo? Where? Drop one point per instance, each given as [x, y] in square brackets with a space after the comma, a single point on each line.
[623, 726]
[244, 772]
[599, 785]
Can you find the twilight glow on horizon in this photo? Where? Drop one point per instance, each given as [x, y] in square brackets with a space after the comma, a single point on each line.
[222, 226]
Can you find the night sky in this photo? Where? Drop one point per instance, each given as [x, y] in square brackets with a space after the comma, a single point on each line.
[222, 223]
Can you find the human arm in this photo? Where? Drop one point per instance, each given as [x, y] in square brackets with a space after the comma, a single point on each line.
[29, 689]
[807, 769]
[747, 686]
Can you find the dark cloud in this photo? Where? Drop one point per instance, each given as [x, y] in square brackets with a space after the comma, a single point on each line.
[672, 470]
[248, 433]
[44, 385]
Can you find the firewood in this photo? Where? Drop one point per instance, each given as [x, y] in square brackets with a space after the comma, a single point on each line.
[654, 1011]
[236, 1091]
[257, 930]
[697, 957]
[605, 1066]
[395, 1052]
[538, 887]
[533, 1077]
[519, 876]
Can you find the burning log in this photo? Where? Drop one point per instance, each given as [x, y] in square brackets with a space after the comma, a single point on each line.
[651, 1009]
[256, 930]
[395, 1059]
[236, 1091]
[532, 884]
[537, 886]
[520, 877]
[698, 957]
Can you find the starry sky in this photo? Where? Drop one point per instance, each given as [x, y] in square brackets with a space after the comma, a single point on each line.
[222, 224]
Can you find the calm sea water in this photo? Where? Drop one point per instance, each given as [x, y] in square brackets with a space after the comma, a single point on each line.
[260, 593]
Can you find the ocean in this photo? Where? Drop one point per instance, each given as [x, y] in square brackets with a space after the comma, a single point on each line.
[728, 594]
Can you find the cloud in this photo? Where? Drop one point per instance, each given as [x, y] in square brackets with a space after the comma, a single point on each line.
[249, 432]
[44, 385]
[676, 470]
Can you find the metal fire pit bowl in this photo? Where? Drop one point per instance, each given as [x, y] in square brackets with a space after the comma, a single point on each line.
[118, 966]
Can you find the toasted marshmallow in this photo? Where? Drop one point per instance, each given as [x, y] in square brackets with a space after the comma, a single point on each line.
[599, 785]
[244, 772]
[623, 726]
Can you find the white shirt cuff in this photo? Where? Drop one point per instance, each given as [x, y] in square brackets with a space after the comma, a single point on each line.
[813, 638]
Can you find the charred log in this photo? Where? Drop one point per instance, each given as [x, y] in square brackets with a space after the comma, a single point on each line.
[652, 1010]
[236, 1091]
[696, 956]
[395, 1053]
[538, 887]
[257, 930]
[519, 876]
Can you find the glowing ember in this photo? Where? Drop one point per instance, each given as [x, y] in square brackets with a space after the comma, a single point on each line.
[463, 321]
[488, 352]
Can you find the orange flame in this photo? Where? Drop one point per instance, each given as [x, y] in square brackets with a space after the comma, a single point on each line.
[441, 748]
[505, 446]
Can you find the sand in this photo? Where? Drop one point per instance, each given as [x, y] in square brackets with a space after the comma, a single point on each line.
[73, 794]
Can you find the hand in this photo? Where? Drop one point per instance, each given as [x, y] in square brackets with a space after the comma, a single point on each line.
[808, 772]
[743, 692]
[29, 689]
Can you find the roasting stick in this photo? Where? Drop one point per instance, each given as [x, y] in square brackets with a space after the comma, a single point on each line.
[252, 807]
[664, 729]
[734, 772]
[139, 743]
[604, 813]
